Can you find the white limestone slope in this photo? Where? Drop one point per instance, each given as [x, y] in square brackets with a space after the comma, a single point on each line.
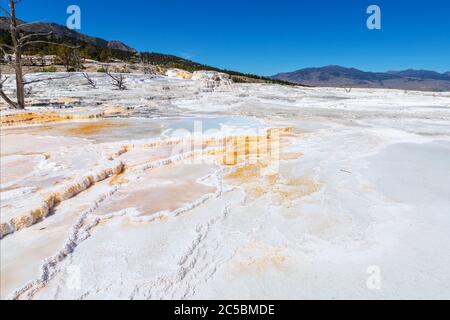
[357, 207]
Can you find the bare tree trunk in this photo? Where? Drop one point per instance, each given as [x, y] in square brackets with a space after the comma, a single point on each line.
[90, 81]
[3, 95]
[3, 79]
[18, 56]
[118, 80]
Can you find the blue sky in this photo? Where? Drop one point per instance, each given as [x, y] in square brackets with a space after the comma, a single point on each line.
[266, 37]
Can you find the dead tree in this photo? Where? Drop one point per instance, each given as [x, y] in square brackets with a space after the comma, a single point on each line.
[118, 80]
[3, 79]
[90, 81]
[19, 43]
[17, 50]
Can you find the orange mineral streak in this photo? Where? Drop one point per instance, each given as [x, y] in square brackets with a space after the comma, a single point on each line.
[287, 191]
[254, 175]
[22, 118]
[252, 148]
[118, 178]
[282, 191]
[94, 127]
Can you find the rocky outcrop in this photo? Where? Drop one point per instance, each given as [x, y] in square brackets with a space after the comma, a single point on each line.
[118, 45]
[210, 75]
[178, 73]
[212, 79]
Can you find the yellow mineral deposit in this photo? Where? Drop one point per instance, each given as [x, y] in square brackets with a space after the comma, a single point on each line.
[254, 148]
[94, 127]
[182, 74]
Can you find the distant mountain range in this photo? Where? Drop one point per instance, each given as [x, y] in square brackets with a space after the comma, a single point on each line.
[61, 32]
[337, 76]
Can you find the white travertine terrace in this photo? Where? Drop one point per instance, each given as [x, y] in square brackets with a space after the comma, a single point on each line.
[287, 192]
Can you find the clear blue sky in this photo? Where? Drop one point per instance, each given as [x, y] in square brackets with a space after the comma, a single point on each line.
[266, 37]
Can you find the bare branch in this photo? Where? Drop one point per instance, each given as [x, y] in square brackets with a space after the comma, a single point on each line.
[48, 42]
[27, 24]
[2, 79]
[42, 34]
[90, 81]
[28, 92]
[118, 80]
[46, 79]
[6, 45]
[3, 50]
[25, 73]
[2, 93]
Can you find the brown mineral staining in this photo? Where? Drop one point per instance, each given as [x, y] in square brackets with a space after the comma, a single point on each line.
[21, 222]
[39, 117]
[286, 192]
[37, 215]
[65, 100]
[94, 127]
[22, 118]
[257, 183]
[244, 174]
[256, 148]
[115, 110]
[118, 179]
[255, 155]
[121, 151]
[31, 117]
[287, 131]
[282, 191]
